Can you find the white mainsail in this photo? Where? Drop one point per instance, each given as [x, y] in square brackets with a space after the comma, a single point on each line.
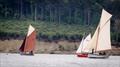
[83, 44]
[104, 42]
[101, 38]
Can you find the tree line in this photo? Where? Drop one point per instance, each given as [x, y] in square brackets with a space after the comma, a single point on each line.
[61, 11]
[83, 12]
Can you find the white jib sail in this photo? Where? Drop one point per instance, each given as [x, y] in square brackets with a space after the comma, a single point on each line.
[83, 44]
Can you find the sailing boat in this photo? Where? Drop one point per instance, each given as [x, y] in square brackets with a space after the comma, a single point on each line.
[100, 41]
[81, 51]
[28, 44]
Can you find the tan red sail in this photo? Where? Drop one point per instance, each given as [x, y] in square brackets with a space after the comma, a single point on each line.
[29, 41]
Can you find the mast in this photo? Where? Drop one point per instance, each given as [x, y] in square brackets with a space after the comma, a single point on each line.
[97, 38]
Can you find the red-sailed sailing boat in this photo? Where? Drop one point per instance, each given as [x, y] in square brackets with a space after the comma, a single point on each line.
[28, 44]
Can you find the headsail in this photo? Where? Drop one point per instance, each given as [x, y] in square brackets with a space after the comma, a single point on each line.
[79, 50]
[83, 44]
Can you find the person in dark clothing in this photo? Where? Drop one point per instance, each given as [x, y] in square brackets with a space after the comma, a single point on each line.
[102, 53]
[92, 51]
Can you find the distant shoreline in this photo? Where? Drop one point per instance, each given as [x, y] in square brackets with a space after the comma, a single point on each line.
[42, 47]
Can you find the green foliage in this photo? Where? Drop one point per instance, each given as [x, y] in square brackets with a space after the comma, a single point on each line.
[45, 31]
[17, 29]
[55, 19]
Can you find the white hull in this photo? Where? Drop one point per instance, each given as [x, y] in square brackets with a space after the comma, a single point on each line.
[98, 56]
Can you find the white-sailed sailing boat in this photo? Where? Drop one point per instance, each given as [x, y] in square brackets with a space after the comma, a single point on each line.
[100, 41]
[81, 51]
[28, 44]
